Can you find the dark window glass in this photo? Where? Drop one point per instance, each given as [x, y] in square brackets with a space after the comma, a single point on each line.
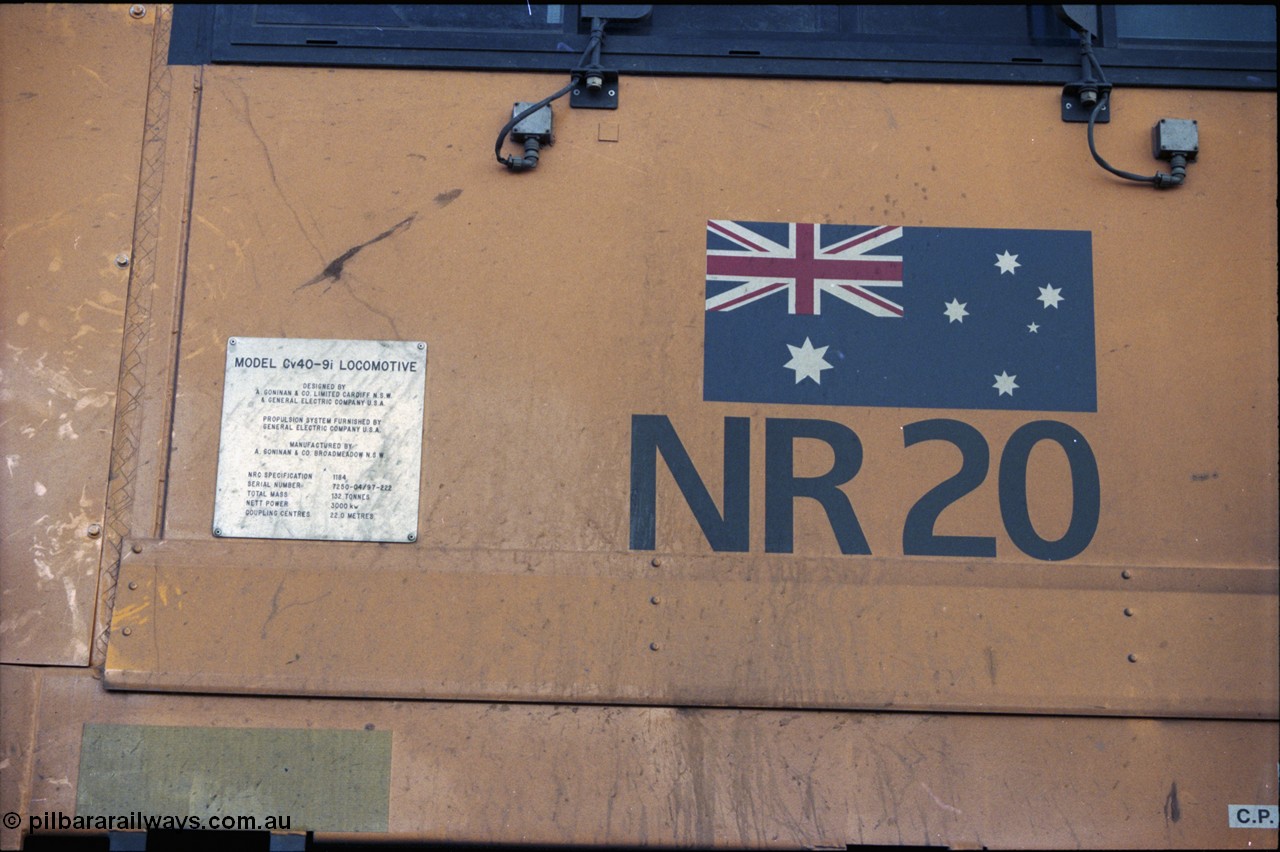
[1192, 24]
[1197, 46]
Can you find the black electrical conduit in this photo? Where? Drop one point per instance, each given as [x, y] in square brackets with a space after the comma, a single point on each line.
[1161, 180]
[590, 56]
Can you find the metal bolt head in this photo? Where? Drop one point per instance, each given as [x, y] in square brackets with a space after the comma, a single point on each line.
[1133, 658]
[94, 530]
[137, 11]
[655, 646]
[1126, 573]
[128, 631]
[122, 259]
[137, 547]
[655, 600]
[656, 562]
[133, 586]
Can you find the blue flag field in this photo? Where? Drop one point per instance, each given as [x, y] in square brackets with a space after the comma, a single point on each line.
[899, 316]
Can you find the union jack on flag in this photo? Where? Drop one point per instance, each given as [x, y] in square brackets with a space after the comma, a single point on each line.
[804, 264]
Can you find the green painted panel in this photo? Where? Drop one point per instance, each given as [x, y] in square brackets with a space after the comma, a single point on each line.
[282, 779]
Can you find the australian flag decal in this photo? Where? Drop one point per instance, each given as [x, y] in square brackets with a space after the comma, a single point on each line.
[899, 316]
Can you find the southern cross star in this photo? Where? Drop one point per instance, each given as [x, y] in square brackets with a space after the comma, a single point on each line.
[1050, 295]
[1007, 262]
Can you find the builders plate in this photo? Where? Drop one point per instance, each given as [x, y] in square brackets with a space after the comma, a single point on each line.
[321, 439]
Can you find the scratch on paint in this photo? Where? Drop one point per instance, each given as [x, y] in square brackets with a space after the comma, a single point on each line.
[938, 801]
[276, 608]
[333, 272]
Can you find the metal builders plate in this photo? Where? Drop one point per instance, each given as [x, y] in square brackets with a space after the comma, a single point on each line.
[321, 439]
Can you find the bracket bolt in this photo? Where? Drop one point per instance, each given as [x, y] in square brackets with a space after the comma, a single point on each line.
[128, 631]
[122, 259]
[655, 646]
[133, 586]
[137, 547]
[137, 11]
[94, 530]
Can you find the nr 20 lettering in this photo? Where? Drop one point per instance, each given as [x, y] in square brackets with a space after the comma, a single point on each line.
[729, 531]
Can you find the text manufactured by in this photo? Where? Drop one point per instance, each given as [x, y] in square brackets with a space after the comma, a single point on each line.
[321, 439]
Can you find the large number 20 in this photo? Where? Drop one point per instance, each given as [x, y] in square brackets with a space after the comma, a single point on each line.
[918, 538]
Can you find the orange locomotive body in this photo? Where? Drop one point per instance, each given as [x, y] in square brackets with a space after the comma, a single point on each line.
[784, 457]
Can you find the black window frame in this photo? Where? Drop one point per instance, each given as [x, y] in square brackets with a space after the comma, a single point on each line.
[215, 34]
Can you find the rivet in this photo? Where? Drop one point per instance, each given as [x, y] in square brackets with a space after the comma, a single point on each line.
[137, 11]
[1128, 611]
[1126, 573]
[1133, 658]
[94, 530]
[128, 631]
[612, 93]
[421, 346]
[133, 586]
[655, 646]
[577, 92]
[137, 547]
[655, 600]
[413, 536]
[122, 260]
[656, 562]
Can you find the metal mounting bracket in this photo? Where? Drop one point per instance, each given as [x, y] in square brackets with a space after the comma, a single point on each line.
[1076, 111]
[605, 97]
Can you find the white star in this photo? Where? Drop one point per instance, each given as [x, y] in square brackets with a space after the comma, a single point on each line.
[1004, 383]
[1033, 328]
[1050, 296]
[807, 362]
[1007, 262]
[955, 311]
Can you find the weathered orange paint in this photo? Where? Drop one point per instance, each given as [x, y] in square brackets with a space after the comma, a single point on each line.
[671, 697]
